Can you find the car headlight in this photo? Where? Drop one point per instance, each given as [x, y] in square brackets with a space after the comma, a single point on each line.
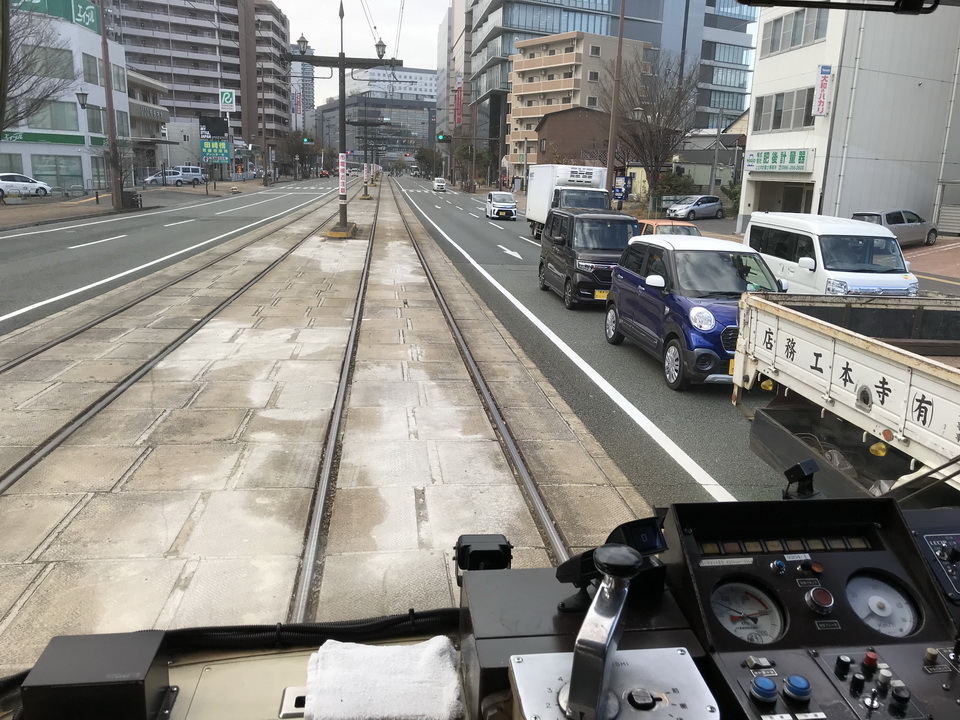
[702, 319]
[913, 289]
[837, 287]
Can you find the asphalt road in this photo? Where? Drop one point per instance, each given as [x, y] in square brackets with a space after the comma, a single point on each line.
[48, 268]
[676, 447]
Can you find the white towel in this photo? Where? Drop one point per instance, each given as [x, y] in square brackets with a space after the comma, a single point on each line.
[348, 681]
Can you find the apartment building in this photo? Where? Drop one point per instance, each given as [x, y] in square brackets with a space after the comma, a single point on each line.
[553, 73]
[402, 83]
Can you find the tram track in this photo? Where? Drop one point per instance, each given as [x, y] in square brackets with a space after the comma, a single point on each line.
[310, 574]
[11, 474]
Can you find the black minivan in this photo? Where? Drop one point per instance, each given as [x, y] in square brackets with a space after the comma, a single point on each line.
[578, 251]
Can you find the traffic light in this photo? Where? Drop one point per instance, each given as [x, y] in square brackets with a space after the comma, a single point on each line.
[306, 140]
[443, 137]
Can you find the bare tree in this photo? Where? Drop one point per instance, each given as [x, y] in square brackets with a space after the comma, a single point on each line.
[36, 72]
[657, 108]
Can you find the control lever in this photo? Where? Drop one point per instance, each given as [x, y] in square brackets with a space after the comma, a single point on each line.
[585, 697]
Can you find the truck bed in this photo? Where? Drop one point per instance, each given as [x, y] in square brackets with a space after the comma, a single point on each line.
[889, 366]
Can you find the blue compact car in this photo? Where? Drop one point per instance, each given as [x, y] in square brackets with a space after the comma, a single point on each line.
[676, 297]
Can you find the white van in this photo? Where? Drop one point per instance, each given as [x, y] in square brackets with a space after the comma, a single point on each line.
[824, 255]
[192, 174]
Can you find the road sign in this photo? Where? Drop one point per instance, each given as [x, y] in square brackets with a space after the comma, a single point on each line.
[343, 173]
[228, 101]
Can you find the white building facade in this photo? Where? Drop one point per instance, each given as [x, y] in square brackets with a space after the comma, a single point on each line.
[850, 112]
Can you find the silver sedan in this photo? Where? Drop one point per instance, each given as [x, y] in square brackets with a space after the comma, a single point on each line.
[909, 227]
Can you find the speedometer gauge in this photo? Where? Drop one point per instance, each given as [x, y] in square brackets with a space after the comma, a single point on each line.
[747, 612]
[882, 606]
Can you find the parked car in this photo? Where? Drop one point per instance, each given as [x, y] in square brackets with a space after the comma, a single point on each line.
[501, 205]
[25, 185]
[696, 206]
[677, 299]
[439, 184]
[166, 177]
[905, 224]
[578, 251]
[668, 227]
[193, 174]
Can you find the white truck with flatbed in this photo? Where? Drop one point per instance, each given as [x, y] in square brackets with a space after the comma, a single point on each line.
[867, 386]
[563, 186]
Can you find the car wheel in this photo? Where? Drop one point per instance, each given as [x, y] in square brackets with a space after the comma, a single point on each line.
[154, 182]
[2, 194]
[43, 191]
[673, 366]
[691, 215]
[719, 214]
[614, 336]
[569, 299]
[195, 182]
[179, 183]
[542, 278]
[931, 238]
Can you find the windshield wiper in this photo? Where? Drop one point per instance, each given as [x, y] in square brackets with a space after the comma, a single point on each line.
[721, 293]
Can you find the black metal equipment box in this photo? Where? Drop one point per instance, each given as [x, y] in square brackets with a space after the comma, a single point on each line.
[90, 677]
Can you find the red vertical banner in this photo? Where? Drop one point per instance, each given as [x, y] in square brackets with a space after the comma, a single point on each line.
[458, 119]
[343, 173]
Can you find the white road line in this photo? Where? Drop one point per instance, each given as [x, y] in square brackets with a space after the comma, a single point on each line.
[438, 207]
[495, 225]
[508, 251]
[125, 216]
[180, 223]
[472, 215]
[244, 207]
[716, 490]
[95, 242]
[70, 293]
[532, 242]
[459, 208]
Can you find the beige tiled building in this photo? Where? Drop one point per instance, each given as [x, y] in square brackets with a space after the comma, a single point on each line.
[552, 73]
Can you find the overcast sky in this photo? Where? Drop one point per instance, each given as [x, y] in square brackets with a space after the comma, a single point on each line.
[319, 22]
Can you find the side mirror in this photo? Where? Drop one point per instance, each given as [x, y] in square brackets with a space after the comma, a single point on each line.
[656, 281]
[807, 263]
[906, 264]
[784, 285]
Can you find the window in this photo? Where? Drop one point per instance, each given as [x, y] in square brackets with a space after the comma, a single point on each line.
[594, 51]
[796, 29]
[568, 49]
[568, 74]
[123, 123]
[591, 101]
[552, 52]
[782, 244]
[784, 111]
[10, 162]
[551, 76]
[529, 126]
[56, 116]
[543, 145]
[566, 100]
[593, 76]
[731, 77]
[531, 56]
[632, 259]
[95, 119]
[529, 103]
[529, 78]
[51, 62]
[549, 101]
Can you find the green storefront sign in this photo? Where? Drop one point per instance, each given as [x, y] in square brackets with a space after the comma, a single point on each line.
[44, 138]
[214, 151]
[81, 12]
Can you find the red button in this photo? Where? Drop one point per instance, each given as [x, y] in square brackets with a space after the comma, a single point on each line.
[870, 659]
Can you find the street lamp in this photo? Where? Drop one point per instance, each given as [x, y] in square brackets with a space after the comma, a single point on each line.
[302, 44]
[82, 99]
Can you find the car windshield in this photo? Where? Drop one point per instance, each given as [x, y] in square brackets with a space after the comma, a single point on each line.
[689, 200]
[708, 273]
[861, 253]
[868, 217]
[604, 234]
[585, 199]
[502, 198]
[677, 230]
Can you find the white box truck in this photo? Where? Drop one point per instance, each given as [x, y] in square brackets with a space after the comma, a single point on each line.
[550, 186]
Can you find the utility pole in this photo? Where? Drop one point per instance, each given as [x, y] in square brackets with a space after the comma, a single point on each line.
[615, 109]
[113, 152]
[342, 62]
[716, 152]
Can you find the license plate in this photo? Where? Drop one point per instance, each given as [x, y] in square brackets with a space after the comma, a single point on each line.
[730, 368]
[503, 214]
[600, 294]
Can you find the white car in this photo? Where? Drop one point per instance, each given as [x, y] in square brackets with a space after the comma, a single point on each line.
[501, 205]
[14, 182]
[439, 184]
[166, 177]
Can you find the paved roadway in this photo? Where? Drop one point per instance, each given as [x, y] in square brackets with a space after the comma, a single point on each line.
[50, 267]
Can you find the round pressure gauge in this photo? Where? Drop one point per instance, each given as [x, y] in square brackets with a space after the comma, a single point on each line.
[882, 605]
[747, 611]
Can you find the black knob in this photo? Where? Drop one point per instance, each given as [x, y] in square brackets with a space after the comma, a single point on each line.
[856, 683]
[621, 561]
[900, 695]
[843, 665]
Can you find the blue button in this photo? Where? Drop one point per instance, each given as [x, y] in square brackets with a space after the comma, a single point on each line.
[797, 687]
[764, 689]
